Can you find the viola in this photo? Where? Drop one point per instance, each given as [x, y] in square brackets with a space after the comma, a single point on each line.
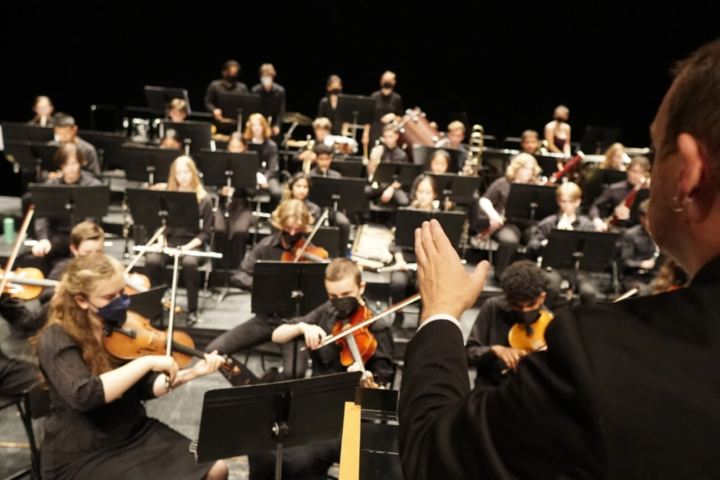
[304, 251]
[137, 338]
[360, 345]
[136, 283]
[519, 338]
[26, 283]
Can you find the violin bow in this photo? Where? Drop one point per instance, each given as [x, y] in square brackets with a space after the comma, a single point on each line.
[300, 254]
[384, 313]
[142, 251]
[16, 248]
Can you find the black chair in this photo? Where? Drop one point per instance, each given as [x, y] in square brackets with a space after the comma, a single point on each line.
[33, 404]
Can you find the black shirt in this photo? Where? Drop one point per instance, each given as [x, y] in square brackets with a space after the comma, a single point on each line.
[181, 236]
[394, 155]
[269, 248]
[498, 193]
[329, 173]
[47, 227]
[605, 204]
[314, 209]
[326, 360]
[273, 102]
[637, 246]
[548, 224]
[216, 87]
[268, 155]
[383, 105]
[326, 110]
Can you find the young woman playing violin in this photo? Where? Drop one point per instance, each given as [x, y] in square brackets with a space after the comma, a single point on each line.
[97, 426]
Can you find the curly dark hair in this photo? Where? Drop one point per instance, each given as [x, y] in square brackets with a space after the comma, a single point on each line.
[523, 281]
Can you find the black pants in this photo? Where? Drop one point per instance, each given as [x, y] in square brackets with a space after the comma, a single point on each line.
[256, 331]
[234, 229]
[586, 289]
[154, 265]
[306, 462]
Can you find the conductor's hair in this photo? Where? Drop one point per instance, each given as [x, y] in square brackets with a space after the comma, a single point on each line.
[86, 231]
[292, 212]
[569, 189]
[64, 120]
[231, 63]
[643, 207]
[641, 162]
[523, 281]
[342, 268]
[66, 152]
[322, 149]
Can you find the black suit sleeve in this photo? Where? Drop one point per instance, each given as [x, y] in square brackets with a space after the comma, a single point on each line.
[541, 424]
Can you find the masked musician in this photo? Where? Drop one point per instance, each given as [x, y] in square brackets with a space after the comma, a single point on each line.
[639, 255]
[523, 168]
[178, 110]
[43, 109]
[327, 107]
[530, 142]
[227, 84]
[257, 131]
[184, 177]
[292, 220]
[65, 131]
[97, 426]
[388, 152]
[272, 97]
[568, 196]
[612, 200]
[388, 108]
[488, 347]
[557, 132]
[615, 158]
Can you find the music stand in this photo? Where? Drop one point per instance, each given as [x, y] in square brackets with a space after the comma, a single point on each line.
[148, 304]
[159, 98]
[199, 134]
[154, 208]
[530, 202]
[403, 173]
[107, 145]
[259, 418]
[641, 195]
[21, 154]
[597, 180]
[24, 132]
[598, 139]
[75, 201]
[356, 110]
[422, 154]
[45, 154]
[348, 168]
[239, 105]
[407, 220]
[548, 163]
[329, 239]
[147, 164]
[340, 194]
[456, 188]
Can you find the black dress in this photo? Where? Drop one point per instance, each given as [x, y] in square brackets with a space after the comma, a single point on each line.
[88, 438]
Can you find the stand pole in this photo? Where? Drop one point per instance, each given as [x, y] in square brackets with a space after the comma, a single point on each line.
[226, 215]
[171, 321]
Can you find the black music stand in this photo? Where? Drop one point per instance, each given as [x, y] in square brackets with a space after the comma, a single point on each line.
[329, 239]
[356, 110]
[422, 154]
[154, 208]
[641, 195]
[348, 168]
[548, 163]
[159, 98]
[597, 180]
[403, 173]
[148, 304]
[75, 201]
[408, 220]
[107, 145]
[339, 194]
[239, 106]
[456, 188]
[598, 139]
[23, 132]
[198, 134]
[147, 164]
[45, 154]
[530, 202]
[21, 153]
[260, 418]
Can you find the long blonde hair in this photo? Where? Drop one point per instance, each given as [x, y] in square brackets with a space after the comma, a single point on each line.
[291, 212]
[81, 278]
[610, 153]
[518, 162]
[195, 184]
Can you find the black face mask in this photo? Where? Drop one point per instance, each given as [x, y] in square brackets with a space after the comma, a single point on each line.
[560, 120]
[526, 318]
[230, 78]
[345, 306]
[290, 240]
[335, 91]
[115, 312]
[387, 85]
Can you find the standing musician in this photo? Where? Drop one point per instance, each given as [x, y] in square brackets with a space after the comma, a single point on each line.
[184, 177]
[639, 255]
[523, 168]
[327, 107]
[43, 109]
[612, 200]
[388, 108]
[53, 234]
[615, 158]
[257, 131]
[488, 347]
[388, 152]
[291, 219]
[97, 426]
[178, 110]
[272, 97]
[65, 131]
[568, 196]
[557, 132]
[227, 84]
[530, 142]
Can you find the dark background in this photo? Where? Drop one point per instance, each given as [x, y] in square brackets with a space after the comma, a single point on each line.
[507, 65]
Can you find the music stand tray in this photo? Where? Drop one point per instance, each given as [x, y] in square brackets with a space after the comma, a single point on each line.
[147, 164]
[240, 168]
[349, 193]
[23, 132]
[530, 202]
[355, 109]
[155, 208]
[199, 133]
[107, 145]
[288, 289]
[237, 106]
[159, 98]
[423, 153]
[408, 220]
[574, 250]
[57, 201]
[461, 189]
[404, 173]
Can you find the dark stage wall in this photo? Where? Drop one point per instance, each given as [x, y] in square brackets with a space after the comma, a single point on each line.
[507, 65]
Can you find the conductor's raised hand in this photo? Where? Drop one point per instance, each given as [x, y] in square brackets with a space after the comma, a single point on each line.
[446, 287]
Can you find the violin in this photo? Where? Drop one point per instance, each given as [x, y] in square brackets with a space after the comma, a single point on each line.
[26, 283]
[137, 338]
[303, 250]
[519, 338]
[359, 346]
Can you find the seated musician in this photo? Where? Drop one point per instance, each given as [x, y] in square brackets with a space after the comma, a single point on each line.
[178, 110]
[183, 177]
[171, 140]
[323, 161]
[97, 426]
[43, 109]
[488, 347]
[291, 219]
[66, 132]
[272, 97]
[53, 234]
[440, 162]
[321, 128]
[389, 152]
[227, 84]
[456, 135]
[615, 158]
[557, 132]
[612, 200]
[327, 107]
[237, 143]
[424, 196]
[568, 197]
[639, 255]
[530, 142]
[257, 131]
[523, 168]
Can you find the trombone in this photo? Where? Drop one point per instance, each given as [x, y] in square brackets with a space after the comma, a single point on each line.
[475, 150]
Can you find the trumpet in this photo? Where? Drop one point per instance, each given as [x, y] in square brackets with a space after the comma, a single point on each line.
[474, 158]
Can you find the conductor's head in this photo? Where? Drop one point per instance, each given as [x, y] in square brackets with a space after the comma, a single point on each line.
[684, 211]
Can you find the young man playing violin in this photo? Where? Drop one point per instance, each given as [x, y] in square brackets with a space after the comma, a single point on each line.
[488, 347]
